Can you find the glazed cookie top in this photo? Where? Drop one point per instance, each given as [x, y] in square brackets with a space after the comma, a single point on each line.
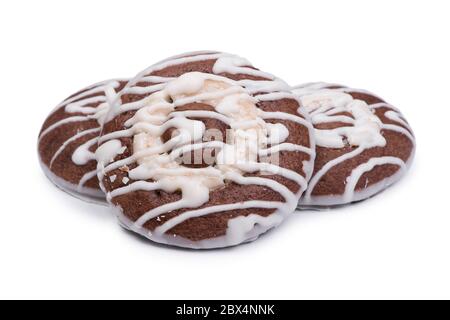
[204, 151]
[363, 144]
[68, 138]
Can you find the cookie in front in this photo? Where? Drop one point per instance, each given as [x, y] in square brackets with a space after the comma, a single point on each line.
[205, 151]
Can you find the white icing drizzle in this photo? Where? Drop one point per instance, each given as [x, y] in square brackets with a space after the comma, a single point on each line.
[61, 122]
[80, 103]
[364, 130]
[327, 167]
[85, 178]
[70, 140]
[356, 174]
[251, 134]
[225, 63]
[324, 106]
[82, 155]
[214, 209]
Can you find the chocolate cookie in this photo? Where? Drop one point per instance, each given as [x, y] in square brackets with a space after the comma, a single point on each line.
[363, 144]
[203, 151]
[68, 140]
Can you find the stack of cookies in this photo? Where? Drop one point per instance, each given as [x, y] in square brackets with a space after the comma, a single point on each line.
[203, 150]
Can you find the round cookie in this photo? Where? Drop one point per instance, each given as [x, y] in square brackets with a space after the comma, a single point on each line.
[68, 140]
[363, 144]
[202, 150]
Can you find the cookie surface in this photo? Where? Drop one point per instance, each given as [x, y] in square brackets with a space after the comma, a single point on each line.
[363, 144]
[68, 140]
[203, 150]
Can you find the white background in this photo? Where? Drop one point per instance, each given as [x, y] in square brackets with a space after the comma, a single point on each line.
[395, 245]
